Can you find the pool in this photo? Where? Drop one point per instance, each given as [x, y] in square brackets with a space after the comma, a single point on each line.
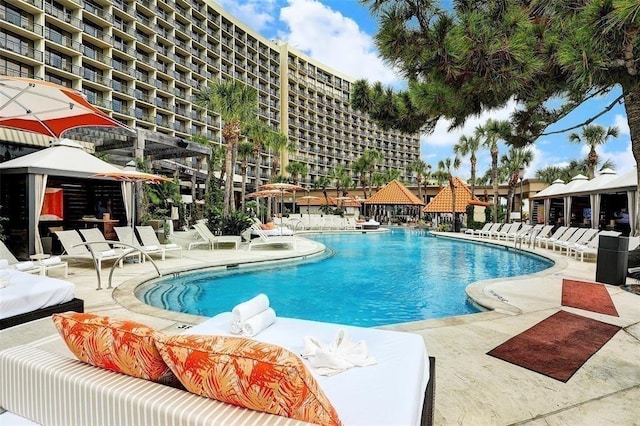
[370, 279]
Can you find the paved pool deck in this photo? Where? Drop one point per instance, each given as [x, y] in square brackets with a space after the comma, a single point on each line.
[472, 388]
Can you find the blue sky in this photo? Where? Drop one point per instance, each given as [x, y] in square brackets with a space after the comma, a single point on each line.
[340, 33]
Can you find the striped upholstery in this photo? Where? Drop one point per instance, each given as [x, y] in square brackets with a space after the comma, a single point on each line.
[53, 389]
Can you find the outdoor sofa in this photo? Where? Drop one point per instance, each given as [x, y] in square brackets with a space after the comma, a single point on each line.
[51, 388]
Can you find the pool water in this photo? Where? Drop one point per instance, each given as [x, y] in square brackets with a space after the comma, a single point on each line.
[371, 279]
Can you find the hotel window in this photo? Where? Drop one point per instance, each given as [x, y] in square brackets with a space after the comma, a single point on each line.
[10, 67]
[119, 105]
[59, 60]
[58, 80]
[17, 44]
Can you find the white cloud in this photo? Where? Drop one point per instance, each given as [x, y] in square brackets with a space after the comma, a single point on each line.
[333, 39]
[621, 122]
[257, 14]
[442, 136]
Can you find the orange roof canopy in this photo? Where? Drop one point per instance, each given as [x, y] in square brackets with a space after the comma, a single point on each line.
[395, 193]
[441, 203]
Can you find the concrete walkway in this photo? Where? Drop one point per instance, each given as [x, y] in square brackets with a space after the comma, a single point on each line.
[472, 388]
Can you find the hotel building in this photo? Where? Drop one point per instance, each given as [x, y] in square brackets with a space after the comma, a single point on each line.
[143, 61]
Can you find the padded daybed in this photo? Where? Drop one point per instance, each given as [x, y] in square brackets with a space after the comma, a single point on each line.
[50, 388]
[29, 297]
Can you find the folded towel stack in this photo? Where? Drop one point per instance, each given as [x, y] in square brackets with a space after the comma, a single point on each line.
[337, 356]
[51, 261]
[151, 248]
[4, 278]
[251, 317]
[107, 253]
[24, 266]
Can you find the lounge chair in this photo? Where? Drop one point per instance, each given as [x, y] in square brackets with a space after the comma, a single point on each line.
[275, 241]
[213, 241]
[74, 248]
[126, 235]
[150, 239]
[495, 227]
[506, 231]
[591, 248]
[567, 238]
[493, 232]
[477, 232]
[540, 239]
[102, 245]
[568, 232]
[526, 233]
[583, 239]
[13, 263]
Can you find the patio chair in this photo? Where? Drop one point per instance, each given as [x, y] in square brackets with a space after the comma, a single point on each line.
[493, 228]
[525, 234]
[74, 248]
[477, 232]
[540, 239]
[14, 263]
[212, 240]
[513, 236]
[493, 232]
[508, 229]
[102, 245]
[583, 239]
[126, 235]
[275, 241]
[567, 239]
[562, 237]
[591, 248]
[150, 239]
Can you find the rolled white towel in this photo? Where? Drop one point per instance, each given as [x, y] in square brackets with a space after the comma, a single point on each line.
[259, 322]
[51, 261]
[236, 327]
[23, 266]
[4, 264]
[107, 253]
[151, 248]
[171, 245]
[245, 310]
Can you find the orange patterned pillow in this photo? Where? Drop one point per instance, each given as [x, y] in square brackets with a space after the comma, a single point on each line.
[247, 373]
[123, 346]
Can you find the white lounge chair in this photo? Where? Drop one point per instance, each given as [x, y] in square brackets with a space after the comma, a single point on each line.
[276, 241]
[567, 238]
[14, 263]
[150, 239]
[583, 239]
[495, 227]
[525, 233]
[493, 232]
[126, 235]
[591, 248]
[212, 240]
[102, 245]
[477, 232]
[542, 239]
[75, 249]
[508, 231]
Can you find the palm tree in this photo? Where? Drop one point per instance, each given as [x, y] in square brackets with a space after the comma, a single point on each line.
[297, 170]
[448, 166]
[593, 135]
[342, 179]
[378, 179]
[440, 176]
[245, 150]
[372, 157]
[469, 145]
[278, 143]
[258, 132]
[549, 174]
[490, 134]
[322, 182]
[361, 168]
[236, 103]
[421, 169]
[512, 162]
[391, 174]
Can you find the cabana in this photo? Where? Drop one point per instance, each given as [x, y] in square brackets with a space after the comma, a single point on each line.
[598, 199]
[546, 195]
[66, 167]
[442, 202]
[391, 196]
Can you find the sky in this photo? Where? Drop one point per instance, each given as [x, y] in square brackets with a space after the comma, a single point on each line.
[339, 33]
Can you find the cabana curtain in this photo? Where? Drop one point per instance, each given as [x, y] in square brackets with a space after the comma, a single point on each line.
[632, 201]
[547, 208]
[594, 199]
[39, 188]
[567, 211]
[127, 199]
